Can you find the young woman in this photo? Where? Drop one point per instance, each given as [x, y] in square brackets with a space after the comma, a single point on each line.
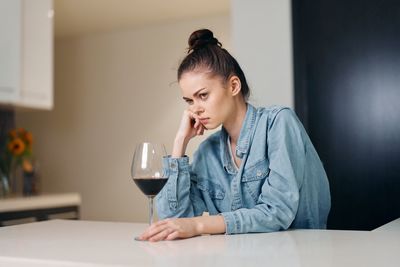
[259, 173]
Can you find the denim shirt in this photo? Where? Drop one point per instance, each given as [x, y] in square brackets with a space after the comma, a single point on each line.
[280, 183]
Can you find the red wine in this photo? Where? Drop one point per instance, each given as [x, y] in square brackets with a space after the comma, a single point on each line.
[150, 186]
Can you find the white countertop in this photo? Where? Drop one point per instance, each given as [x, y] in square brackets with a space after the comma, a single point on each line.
[40, 202]
[391, 226]
[86, 243]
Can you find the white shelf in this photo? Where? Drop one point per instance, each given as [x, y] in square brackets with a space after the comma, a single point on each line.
[39, 202]
[391, 226]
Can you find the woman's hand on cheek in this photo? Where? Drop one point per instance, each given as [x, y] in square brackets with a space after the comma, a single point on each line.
[198, 126]
[170, 229]
[190, 125]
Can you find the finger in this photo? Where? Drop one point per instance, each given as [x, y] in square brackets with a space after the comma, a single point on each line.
[190, 116]
[202, 131]
[196, 124]
[188, 113]
[147, 230]
[197, 121]
[195, 116]
[153, 230]
[172, 236]
[202, 128]
[199, 130]
[162, 235]
[159, 225]
[161, 222]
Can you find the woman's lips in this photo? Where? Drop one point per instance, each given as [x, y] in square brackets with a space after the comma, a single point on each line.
[204, 121]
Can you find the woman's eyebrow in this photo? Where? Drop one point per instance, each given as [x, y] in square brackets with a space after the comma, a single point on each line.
[196, 93]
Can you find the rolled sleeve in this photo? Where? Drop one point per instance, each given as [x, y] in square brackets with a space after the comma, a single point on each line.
[232, 223]
[178, 198]
[175, 166]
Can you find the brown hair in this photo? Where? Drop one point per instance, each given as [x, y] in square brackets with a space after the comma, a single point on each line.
[206, 51]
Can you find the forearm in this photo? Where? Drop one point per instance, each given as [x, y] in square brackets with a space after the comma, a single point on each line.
[209, 224]
[179, 147]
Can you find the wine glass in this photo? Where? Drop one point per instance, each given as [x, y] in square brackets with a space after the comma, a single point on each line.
[147, 171]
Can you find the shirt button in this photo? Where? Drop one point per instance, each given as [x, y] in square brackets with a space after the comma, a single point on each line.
[259, 173]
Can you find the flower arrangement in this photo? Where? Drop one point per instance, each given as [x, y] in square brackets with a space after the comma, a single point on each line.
[17, 153]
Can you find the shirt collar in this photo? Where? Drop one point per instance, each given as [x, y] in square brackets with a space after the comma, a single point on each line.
[246, 131]
[243, 143]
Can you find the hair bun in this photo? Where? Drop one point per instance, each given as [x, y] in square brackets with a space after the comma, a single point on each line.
[202, 38]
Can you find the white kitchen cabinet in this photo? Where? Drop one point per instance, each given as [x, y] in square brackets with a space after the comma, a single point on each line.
[26, 53]
[22, 209]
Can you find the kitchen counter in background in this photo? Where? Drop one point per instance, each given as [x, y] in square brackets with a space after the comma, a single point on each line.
[392, 226]
[38, 208]
[88, 243]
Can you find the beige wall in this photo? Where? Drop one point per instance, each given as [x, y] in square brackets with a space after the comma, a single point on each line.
[111, 91]
[262, 39]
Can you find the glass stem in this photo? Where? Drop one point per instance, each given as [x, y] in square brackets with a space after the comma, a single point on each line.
[151, 210]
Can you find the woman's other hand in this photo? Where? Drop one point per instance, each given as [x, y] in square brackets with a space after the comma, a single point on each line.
[177, 228]
[170, 229]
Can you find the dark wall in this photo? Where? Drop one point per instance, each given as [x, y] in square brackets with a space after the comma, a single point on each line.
[7, 122]
[347, 93]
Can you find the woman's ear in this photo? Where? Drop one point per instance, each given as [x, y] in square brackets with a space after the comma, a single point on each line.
[235, 85]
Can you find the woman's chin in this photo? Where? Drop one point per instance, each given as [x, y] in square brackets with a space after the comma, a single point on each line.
[210, 126]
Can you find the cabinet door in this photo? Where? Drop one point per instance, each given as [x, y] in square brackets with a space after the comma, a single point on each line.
[37, 67]
[347, 66]
[10, 44]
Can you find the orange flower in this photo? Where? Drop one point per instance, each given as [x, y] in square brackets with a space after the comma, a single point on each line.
[28, 138]
[16, 146]
[12, 134]
[21, 131]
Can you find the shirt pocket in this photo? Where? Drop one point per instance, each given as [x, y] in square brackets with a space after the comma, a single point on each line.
[254, 177]
[214, 190]
[213, 195]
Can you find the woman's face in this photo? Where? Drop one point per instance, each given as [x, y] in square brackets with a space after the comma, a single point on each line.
[208, 97]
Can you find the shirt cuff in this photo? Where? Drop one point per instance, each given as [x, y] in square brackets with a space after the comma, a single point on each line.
[232, 223]
[173, 167]
[177, 164]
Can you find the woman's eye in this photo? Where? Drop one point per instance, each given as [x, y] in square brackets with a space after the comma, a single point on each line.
[203, 96]
[189, 102]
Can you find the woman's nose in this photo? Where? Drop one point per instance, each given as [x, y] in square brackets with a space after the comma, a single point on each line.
[196, 109]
